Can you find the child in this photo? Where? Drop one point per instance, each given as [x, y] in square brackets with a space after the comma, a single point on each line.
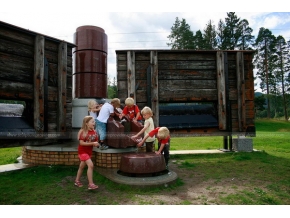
[148, 127]
[163, 136]
[106, 111]
[88, 139]
[93, 109]
[132, 110]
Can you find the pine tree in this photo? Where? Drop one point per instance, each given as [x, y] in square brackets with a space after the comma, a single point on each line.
[199, 41]
[209, 36]
[265, 43]
[282, 64]
[181, 36]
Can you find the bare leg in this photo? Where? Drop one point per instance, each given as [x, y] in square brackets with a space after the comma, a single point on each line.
[90, 171]
[80, 170]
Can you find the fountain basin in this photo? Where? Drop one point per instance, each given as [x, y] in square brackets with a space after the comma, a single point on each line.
[142, 163]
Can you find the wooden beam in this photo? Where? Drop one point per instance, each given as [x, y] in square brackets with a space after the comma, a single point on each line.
[131, 73]
[221, 90]
[39, 83]
[241, 91]
[62, 81]
[154, 86]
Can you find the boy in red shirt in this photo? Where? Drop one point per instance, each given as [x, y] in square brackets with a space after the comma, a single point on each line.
[163, 136]
[132, 110]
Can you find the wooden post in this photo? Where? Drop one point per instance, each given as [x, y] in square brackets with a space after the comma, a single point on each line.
[154, 87]
[241, 91]
[39, 83]
[131, 73]
[62, 73]
[221, 91]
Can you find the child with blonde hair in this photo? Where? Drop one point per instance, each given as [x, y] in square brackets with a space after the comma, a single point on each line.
[88, 139]
[132, 110]
[163, 136]
[148, 127]
[93, 109]
[108, 109]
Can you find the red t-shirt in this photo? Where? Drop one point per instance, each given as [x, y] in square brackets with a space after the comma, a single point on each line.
[154, 133]
[132, 112]
[90, 137]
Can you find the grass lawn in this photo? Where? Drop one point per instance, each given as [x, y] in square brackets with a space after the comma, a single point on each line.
[252, 178]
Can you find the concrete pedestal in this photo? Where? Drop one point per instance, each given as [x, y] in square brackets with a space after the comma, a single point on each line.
[243, 144]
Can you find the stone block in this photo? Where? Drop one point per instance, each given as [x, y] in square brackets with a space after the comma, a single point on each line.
[243, 144]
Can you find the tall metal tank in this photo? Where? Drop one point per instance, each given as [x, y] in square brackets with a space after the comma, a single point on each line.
[90, 62]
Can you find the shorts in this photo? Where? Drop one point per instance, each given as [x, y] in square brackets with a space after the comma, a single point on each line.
[84, 157]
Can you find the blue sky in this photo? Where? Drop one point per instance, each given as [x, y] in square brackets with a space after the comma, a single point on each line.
[134, 24]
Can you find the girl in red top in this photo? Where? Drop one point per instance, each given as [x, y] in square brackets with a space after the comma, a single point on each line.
[163, 136]
[88, 139]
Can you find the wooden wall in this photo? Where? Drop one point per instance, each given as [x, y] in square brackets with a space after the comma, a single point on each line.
[224, 78]
[37, 69]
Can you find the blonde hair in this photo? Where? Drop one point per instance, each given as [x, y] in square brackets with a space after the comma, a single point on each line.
[84, 129]
[163, 133]
[91, 104]
[146, 110]
[129, 102]
[116, 102]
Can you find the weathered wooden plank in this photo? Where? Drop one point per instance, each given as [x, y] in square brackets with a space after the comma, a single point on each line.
[154, 86]
[14, 48]
[142, 56]
[121, 56]
[39, 84]
[249, 95]
[121, 75]
[183, 65]
[194, 56]
[16, 90]
[194, 95]
[241, 91]
[221, 92]
[53, 93]
[131, 72]
[187, 74]
[16, 68]
[187, 85]
[16, 36]
[62, 90]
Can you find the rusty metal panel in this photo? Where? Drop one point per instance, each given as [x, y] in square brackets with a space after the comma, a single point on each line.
[91, 37]
[91, 61]
[90, 85]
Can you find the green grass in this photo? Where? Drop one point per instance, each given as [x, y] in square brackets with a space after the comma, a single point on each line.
[252, 178]
[9, 155]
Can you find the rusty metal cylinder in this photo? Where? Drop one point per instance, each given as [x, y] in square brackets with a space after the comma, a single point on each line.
[142, 163]
[90, 62]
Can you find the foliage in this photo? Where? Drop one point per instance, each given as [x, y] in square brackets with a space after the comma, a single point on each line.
[181, 36]
[112, 89]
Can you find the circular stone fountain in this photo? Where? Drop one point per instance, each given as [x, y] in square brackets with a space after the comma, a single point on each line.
[142, 164]
[141, 170]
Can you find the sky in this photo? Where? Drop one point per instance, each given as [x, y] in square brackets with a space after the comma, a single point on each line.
[137, 24]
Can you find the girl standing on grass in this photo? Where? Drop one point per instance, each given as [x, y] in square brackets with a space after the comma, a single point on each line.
[88, 139]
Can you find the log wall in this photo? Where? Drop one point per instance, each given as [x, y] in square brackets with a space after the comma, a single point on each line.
[37, 69]
[224, 78]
